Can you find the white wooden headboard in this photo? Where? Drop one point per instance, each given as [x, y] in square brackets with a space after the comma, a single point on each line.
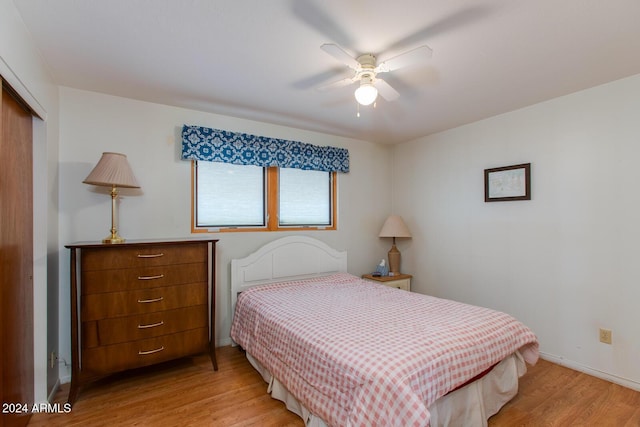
[288, 258]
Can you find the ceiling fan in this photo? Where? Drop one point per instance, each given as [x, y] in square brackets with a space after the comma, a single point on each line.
[366, 71]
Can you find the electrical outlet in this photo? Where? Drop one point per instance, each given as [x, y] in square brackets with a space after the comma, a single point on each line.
[605, 336]
[52, 359]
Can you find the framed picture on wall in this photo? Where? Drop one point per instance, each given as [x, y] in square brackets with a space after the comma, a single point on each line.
[507, 183]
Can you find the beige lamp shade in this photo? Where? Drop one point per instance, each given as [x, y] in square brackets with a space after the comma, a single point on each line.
[394, 227]
[113, 171]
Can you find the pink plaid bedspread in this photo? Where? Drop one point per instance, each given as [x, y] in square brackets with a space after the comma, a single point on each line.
[357, 353]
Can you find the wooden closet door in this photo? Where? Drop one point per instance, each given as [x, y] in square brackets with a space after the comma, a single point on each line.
[16, 256]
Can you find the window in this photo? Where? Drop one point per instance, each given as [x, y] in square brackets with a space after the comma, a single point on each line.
[305, 197]
[230, 197]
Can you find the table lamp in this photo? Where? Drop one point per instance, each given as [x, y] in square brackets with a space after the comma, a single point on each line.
[113, 171]
[394, 227]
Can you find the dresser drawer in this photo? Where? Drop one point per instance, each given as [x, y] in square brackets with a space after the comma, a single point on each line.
[127, 303]
[400, 281]
[99, 281]
[109, 257]
[132, 328]
[118, 357]
[404, 284]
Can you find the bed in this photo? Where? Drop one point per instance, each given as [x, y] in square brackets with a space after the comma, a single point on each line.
[341, 351]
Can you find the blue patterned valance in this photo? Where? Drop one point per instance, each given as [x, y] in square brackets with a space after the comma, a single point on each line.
[214, 145]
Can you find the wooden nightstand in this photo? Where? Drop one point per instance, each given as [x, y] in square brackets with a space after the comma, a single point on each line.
[401, 281]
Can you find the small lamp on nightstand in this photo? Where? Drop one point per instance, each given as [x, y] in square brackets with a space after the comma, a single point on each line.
[394, 227]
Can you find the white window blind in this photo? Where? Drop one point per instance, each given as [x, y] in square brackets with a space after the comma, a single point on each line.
[229, 195]
[305, 197]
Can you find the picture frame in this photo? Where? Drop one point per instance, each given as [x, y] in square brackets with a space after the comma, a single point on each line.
[507, 183]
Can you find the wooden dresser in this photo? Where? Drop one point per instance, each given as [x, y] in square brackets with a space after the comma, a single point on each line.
[139, 303]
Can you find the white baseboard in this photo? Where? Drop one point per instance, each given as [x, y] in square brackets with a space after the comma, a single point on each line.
[625, 382]
[54, 390]
[224, 342]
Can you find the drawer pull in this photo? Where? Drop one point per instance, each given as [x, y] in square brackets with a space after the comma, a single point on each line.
[150, 255]
[146, 301]
[152, 325]
[159, 276]
[157, 350]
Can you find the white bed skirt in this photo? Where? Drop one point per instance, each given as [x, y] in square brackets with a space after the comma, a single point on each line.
[472, 404]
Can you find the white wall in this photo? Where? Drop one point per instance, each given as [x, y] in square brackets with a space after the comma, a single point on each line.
[566, 262]
[22, 67]
[149, 134]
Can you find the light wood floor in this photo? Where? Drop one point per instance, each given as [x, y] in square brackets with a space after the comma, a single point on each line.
[189, 393]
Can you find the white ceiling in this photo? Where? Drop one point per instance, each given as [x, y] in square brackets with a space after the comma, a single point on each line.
[261, 60]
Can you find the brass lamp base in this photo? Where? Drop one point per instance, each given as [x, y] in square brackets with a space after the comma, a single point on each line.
[114, 239]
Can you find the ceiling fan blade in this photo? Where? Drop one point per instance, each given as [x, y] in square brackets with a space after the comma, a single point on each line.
[338, 53]
[318, 18]
[415, 56]
[453, 22]
[337, 84]
[385, 89]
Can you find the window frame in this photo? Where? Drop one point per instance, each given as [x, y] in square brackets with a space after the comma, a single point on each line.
[272, 207]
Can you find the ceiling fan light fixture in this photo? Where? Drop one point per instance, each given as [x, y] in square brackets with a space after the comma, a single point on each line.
[366, 94]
